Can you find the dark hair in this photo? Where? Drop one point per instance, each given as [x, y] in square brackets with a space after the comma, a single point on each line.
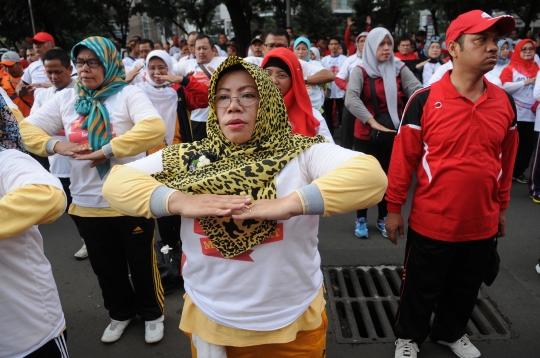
[334, 38]
[136, 38]
[193, 33]
[421, 33]
[289, 28]
[147, 41]
[222, 33]
[159, 42]
[344, 47]
[257, 33]
[279, 32]
[203, 36]
[403, 39]
[57, 54]
[460, 41]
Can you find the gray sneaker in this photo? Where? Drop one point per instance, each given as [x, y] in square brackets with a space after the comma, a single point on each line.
[82, 253]
[406, 348]
[463, 348]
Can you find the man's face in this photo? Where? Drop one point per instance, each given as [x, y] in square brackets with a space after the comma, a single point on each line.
[59, 76]
[22, 52]
[203, 51]
[404, 47]
[273, 42]
[144, 50]
[322, 44]
[257, 49]
[42, 47]
[289, 31]
[222, 39]
[514, 35]
[157, 46]
[31, 55]
[334, 47]
[479, 51]
[15, 70]
[191, 43]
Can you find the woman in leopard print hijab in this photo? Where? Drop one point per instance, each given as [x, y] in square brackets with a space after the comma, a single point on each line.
[246, 168]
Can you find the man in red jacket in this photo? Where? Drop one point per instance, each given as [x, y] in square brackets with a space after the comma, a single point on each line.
[459, 136]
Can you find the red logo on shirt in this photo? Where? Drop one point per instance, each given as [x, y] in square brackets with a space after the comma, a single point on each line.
[78, 135]
[208, 249]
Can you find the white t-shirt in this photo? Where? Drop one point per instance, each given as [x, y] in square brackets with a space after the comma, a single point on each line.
[30, 309]
[428, 70]
[322, 129]
[58, 164]
[35, 73]
[128, 62]
[253, 291]
[348, 65]
[334, 64]
[523, 96]
[449, 65]
[183, 67]
[126, 108]
[174, 50]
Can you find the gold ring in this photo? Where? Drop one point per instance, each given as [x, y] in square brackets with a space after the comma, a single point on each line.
[247, 208]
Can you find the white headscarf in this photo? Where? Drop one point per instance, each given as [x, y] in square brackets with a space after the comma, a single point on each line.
[163, 97]
[317, 53]
[387, 70]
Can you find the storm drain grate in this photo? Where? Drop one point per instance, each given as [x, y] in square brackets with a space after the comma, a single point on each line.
[363, 301]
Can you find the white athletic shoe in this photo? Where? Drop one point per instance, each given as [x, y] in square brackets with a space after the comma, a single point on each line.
[463, 348]
[82, 253]
[538, 268]
[153, 330]
[406, 348]
[114, 330]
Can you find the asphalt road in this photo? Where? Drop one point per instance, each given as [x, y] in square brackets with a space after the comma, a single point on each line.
[516, 292]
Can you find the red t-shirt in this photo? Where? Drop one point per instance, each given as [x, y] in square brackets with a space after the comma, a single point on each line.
[411, 56]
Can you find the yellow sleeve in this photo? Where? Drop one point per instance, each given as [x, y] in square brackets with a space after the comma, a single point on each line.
[358, 183]
[17, 113]
[30, 205]
[177, 137]
[144, 135]
[35, 138]
[129, 190]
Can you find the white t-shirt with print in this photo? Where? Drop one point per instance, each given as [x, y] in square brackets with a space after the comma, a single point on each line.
[333, 64]
[30, 310]
[126, 108]
[35, 73]
[182, 68]
[348, 65]
[252, 291]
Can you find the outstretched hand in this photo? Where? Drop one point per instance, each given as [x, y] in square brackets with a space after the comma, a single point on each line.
[379, 127]
[68, 149]
[96, 157]
[394, 226]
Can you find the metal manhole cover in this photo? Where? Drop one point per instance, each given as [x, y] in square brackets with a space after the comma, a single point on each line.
[363, 301]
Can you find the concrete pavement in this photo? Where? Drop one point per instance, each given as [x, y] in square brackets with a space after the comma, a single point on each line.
[516, 292]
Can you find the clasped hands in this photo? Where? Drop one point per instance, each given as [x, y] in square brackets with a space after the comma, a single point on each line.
[80, 152]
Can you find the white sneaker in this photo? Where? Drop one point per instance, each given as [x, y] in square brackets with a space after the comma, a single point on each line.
[406, 348]
[153, 330]
[82, 253]
[463, 348]
[538, 268]
[114, 330]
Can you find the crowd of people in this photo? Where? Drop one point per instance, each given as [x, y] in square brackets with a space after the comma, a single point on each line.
[233, 156]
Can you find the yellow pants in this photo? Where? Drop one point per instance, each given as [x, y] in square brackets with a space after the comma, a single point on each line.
[308, 344]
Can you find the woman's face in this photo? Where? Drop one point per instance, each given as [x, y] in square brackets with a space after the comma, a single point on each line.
[504, 51]
[301, 51]
[281, 79]
[434, 50]
[237, 119]
[156, 67]
[384, 51]
[361, 42]
[528, 51]
[231, 51]
[312, 56]
[91, 77]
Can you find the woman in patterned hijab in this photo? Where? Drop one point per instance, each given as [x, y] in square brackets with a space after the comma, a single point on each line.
[250, 196]
[10, 138]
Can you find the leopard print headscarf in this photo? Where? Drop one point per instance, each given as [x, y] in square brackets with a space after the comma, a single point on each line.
[247, 169]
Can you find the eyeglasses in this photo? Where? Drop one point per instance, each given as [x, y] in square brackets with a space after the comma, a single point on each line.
[160, 69]
[91, 63]
[527, 49]
[279, 75]
[271, 46]
[245, 100]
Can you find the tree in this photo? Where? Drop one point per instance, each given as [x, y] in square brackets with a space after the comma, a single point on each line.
[123, 10]
[315, 18]
[241, 12]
